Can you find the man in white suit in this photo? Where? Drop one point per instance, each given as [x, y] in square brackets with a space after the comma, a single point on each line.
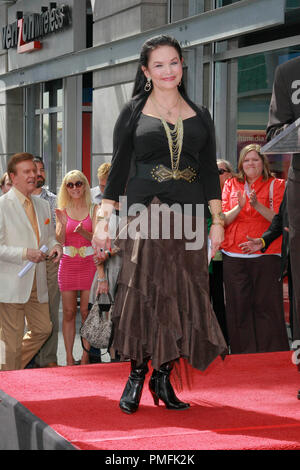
[25, 226]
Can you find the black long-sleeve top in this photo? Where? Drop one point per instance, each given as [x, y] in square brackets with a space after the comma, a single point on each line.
[279, 222]
[141, 139]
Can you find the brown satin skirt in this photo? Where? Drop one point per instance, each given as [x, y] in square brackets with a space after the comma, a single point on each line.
[162, 307]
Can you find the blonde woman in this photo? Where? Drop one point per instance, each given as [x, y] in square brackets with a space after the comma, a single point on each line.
[74, 230]
[5, 183]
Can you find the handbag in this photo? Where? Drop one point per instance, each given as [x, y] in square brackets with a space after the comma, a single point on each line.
[97, 327]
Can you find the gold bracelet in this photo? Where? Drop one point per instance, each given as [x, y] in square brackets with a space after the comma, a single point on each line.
[263, 242]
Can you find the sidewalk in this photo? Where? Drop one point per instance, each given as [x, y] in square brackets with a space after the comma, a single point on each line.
[61, 354]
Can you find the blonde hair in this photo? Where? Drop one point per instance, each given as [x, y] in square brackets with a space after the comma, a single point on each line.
[103, 170]
[63, 198]
[266, 167]
[2, 180]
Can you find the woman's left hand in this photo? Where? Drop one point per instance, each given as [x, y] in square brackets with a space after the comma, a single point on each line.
[56, 254]
[101, 240]
[216, 235]
[102, 288]
[79, 229]
[253, 199]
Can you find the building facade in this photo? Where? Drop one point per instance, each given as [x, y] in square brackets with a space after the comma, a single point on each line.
[67, 68]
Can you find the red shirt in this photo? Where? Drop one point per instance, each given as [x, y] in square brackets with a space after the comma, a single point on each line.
[249, 221]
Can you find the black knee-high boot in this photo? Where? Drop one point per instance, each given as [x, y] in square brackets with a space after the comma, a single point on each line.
[131, 396]
[161, 388]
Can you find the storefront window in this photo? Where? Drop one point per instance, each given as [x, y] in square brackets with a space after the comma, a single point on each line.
[255, 82]
[87, 101]
[179, 9]
[52, 148]
[248, 82]
[290, 4]
[44, 107]
[223, 3]
[183, 8]
[52, 132]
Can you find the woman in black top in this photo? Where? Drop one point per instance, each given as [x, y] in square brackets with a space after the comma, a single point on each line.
[162, 308]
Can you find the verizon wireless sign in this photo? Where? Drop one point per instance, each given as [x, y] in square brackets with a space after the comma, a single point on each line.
[27, 31]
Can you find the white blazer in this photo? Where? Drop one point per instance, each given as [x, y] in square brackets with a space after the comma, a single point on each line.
[16, 233]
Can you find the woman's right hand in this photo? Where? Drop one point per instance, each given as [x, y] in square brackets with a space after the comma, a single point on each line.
[61, 215]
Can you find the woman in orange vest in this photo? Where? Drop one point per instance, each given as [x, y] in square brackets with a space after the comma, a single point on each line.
[254, 294]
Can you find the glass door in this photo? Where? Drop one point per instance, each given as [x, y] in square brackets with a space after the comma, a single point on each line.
[44, 128]
[52, 129]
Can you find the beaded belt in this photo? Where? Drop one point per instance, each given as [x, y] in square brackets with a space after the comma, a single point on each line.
[161, 173]
[83, 251]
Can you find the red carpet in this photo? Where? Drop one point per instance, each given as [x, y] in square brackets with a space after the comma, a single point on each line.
[245, 402]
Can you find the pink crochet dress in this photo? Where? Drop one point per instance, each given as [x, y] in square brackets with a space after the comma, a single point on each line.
[76, 273]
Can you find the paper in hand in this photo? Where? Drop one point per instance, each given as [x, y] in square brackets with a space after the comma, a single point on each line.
[29, 265]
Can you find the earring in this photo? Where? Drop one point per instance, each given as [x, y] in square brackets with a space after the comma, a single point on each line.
[179, 84]
[147, 87]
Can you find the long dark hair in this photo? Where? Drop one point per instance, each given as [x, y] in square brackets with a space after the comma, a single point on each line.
[147, 48]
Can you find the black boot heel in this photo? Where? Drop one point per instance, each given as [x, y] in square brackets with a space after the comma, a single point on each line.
[132, 393]
[161, 389]
[152, 391]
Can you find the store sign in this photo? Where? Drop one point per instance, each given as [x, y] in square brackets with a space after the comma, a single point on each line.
[26, 32]
[246, 137]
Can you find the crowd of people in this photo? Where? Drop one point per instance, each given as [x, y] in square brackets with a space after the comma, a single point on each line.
[170, 302]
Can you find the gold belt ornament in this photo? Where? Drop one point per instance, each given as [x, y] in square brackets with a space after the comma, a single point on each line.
[161, 173]
[73, 251]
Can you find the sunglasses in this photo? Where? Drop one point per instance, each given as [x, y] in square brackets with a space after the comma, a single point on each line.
[78, 184]
[222, 171]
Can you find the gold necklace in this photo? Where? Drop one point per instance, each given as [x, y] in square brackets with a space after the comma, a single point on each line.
[168, 110]
[175, 140]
